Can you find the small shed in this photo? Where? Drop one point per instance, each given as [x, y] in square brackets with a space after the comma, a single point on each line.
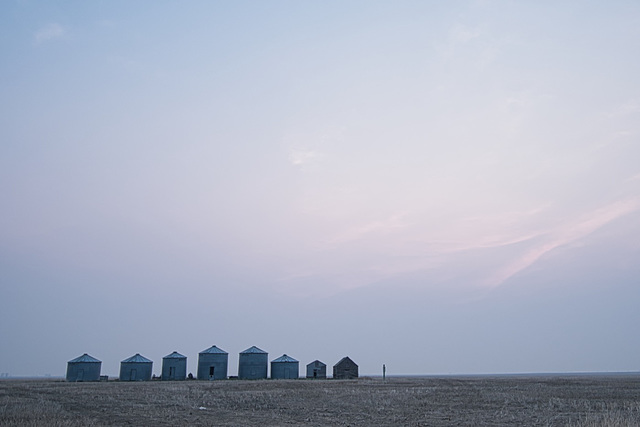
[253, 364]
[345, 369]
[136, 368]
[84, 368]
[316, 369]
[212, 364]
[174, 367]
[285, 368]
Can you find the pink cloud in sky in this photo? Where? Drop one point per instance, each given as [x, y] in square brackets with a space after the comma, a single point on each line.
[565, 234]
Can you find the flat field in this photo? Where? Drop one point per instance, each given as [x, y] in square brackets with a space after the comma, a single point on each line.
[493, 401]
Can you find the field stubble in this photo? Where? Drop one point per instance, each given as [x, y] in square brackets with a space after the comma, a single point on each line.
[492, 401]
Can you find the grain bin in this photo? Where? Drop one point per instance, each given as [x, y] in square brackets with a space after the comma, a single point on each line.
[316, 369]
[253, 364]
[212, 364]
[136, 368]
[174, 367]
[84, 368]
[284, 368]
[345, 369]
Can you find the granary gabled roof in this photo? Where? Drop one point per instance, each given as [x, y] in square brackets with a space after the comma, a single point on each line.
[213, 350]
[254, 350]
[85, 358]
[285, 358]
[317, 362]
[175, 355]
[136, 358]
[345, 360]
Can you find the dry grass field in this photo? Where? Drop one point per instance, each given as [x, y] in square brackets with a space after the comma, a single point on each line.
[491, 401]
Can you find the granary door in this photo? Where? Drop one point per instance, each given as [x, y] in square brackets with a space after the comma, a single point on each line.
[172, 372]
[80, 376]
[133, 374]
[212, 370]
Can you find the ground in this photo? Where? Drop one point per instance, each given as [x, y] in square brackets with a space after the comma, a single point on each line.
[494, 401]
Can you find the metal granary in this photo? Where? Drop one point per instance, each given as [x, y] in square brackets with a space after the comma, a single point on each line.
[285, 368]
[212, 364]
[84, 368]
[174, 367]
[253, 364]
[136, 368]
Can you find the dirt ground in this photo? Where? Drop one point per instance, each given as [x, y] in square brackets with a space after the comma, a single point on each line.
[490, 401]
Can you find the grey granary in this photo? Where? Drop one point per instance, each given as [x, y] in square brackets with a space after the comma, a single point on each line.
[212, 364]
[136, 368]
[253, 364]
[316, 369]
[345, 369]
[174, 367]
[285, 368]
[84, 368]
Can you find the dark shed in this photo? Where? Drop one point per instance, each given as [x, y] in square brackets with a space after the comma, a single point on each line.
[174, 367]
[285, 368]
[136, 368]
[345, 369]
[212, 364]
[253, 364]
[316, 369]
[84, 368]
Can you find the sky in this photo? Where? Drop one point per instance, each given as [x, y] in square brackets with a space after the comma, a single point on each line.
[440, 187]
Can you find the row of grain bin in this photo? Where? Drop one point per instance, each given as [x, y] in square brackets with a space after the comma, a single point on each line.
[212, 365]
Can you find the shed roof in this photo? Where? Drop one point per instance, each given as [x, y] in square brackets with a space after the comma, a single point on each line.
[254, 350]
[137, 359]
[285, 358]
[213, 350]
[85, 358]
[317, 362]
[175, 355]
[345, 360]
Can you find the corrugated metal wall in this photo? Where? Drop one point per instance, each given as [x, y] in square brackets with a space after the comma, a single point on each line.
[253, 366]
[284, 370]
[179, 371]
[84, 371]
[215, 363]
[135, 371]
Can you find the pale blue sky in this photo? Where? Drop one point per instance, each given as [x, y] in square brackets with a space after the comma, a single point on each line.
[444, 187]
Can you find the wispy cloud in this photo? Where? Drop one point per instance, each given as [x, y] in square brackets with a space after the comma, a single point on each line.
[48, 32]
[462, 34]
[632, 106]
[393, 223]
[635, 177]
[565, 234]
[301, 156]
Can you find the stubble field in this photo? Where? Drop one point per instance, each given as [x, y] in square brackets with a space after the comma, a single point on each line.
[491, 401]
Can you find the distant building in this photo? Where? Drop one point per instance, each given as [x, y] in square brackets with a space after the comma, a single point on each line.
[316, 369]
[345, 369]
[174, 367]
[253, 364]
[136, 368]
[285, 368]
[84, 368]
[212, 364]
